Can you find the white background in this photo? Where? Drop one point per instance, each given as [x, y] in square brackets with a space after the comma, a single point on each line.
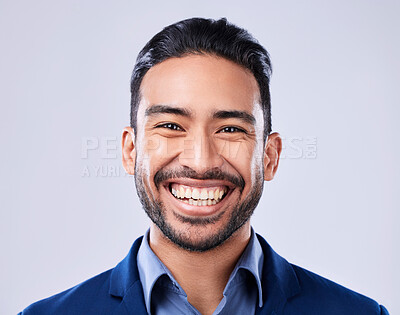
[64, 76]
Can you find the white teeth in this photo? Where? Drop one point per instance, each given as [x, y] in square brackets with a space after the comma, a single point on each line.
[195, 194]
[198, 196]
[204, 194]
[200, 202]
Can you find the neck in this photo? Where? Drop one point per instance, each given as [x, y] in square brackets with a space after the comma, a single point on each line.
[202, 275]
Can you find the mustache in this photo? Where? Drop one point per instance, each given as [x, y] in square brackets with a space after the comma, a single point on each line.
[187, 172]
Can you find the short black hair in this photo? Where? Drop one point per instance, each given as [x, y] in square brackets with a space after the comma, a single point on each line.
[205, 36]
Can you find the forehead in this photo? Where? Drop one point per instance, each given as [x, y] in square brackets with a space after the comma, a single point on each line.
[201, 83]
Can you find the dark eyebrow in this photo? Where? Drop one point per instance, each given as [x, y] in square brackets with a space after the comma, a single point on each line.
[246, 117]
[167, 109]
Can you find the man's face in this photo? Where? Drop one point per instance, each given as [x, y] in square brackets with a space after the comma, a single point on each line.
[198, 155]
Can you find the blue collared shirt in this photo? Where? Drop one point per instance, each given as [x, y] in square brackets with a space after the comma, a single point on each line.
[163, 295]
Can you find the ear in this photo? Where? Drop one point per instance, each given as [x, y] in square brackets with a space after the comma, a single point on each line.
[272, 152]
[128, 150]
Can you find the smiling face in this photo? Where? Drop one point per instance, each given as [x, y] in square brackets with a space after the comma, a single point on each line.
[198, 155]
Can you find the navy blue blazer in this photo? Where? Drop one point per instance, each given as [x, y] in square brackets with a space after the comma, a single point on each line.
[287, 289]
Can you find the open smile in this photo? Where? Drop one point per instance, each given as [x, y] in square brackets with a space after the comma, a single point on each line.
[198, 197]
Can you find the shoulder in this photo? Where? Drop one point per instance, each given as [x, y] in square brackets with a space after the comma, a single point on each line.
[105, 293]
[319, 295]
[298, 291]
[91, 296]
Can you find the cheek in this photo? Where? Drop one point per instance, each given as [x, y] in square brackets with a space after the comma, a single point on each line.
[245, 158]
[257, 168]
[154, 146]
[157, 152]
[241, 155]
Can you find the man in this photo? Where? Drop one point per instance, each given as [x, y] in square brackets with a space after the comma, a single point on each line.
[200, 146]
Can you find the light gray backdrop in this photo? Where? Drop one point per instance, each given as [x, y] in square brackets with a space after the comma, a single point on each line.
[69, 213]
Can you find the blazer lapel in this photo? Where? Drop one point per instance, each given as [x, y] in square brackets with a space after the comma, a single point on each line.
[133, 301]
[125, 283]
[279, 281]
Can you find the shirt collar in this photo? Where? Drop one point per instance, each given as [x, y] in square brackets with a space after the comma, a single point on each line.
[279, 280]
[151, 268]
[252, 260]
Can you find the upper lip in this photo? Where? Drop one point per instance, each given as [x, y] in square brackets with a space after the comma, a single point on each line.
[200, 182]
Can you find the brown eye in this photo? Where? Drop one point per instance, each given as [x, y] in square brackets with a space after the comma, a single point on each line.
[231, 129]
[170, 126]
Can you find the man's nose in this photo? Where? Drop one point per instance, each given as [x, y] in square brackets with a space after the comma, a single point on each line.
[200, 154]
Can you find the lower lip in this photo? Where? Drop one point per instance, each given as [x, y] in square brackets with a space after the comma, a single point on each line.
[198, 211]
